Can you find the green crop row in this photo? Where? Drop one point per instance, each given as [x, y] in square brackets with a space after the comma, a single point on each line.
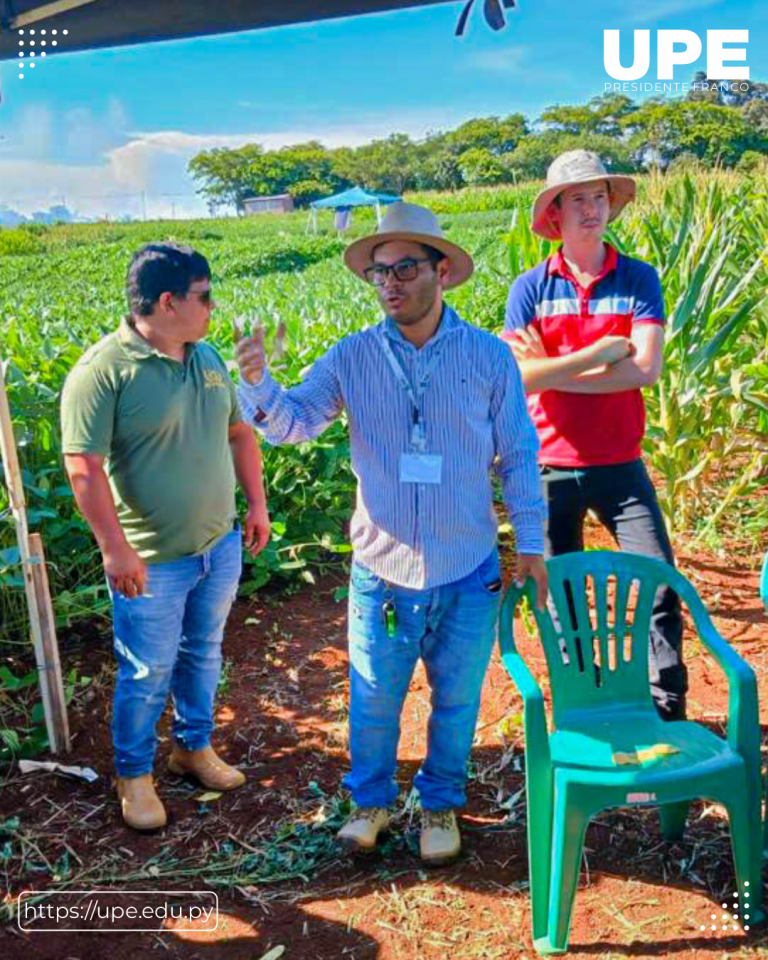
[708, 416]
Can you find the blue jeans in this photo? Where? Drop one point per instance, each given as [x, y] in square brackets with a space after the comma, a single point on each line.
[170, 639]
[453, 628]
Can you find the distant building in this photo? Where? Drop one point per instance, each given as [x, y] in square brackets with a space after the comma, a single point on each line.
[283, 203]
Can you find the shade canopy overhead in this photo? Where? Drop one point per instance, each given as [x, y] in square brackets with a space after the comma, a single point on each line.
[111, 23]
[355, 197]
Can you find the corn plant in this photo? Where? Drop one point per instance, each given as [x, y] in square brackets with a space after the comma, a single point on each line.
[703, 411]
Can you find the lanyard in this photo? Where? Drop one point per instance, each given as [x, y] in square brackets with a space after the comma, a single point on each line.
[418, 433]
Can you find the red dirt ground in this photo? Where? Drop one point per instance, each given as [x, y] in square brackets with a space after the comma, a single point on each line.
[282, 718]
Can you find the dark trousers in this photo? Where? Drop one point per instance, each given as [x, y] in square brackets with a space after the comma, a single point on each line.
[623, 498]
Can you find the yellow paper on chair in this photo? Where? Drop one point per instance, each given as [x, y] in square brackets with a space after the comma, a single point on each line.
[645, 755]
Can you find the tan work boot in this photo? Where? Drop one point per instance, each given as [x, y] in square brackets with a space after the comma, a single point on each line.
[440, 840]
[139, 803]
[362, 828]
[206, 767]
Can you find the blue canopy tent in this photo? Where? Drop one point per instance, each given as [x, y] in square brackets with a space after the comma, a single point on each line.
[347, 200]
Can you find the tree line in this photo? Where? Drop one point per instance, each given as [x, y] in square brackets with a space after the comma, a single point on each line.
[712, 126]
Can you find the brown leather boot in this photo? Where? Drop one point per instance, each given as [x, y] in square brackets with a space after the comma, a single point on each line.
[140, 804]
[206, 767]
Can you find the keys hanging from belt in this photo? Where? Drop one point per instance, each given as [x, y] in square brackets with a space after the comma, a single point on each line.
[389, 612]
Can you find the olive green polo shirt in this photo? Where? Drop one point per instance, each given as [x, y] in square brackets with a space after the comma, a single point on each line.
[162, 426]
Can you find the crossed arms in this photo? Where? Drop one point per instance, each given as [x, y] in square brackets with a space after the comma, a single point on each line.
[610, 365]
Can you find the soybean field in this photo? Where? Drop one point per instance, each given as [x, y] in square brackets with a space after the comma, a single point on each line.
[62, 288]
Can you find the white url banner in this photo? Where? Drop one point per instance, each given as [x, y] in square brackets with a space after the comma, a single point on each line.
[118, 911]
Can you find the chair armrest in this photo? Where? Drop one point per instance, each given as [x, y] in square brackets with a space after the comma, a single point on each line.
[743, 713]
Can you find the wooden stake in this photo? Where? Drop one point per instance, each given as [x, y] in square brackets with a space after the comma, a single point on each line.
[41, 618]
[50, 646]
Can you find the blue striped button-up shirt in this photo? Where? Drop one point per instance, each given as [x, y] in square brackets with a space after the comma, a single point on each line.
[473, 410]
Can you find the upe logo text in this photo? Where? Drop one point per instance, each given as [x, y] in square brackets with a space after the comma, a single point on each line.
[668, 57]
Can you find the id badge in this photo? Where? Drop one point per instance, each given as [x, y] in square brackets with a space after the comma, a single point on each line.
[421, 468]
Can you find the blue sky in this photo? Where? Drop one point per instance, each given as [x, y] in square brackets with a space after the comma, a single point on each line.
[98, 129]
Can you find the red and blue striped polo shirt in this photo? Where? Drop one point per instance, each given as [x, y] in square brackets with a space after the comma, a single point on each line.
[579, 429]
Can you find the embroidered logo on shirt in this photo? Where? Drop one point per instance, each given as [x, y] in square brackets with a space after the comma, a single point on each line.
[213, 378]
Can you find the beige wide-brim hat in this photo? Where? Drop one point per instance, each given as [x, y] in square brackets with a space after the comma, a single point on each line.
[569, 169]
[408, 221]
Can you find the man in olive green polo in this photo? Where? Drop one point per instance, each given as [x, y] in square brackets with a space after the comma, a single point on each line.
[153, 444]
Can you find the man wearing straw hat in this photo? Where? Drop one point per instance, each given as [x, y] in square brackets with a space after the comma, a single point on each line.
[587, 329]
[431, 402]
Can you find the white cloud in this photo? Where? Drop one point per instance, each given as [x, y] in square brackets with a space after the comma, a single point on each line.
[156, 162]
[99, 167]
[74, 136]
[89, 189]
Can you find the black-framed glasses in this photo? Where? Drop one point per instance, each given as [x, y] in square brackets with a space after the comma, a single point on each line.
[406, 269]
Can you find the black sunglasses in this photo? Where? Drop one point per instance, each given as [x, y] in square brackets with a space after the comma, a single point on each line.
[203, 296]
[406, 269]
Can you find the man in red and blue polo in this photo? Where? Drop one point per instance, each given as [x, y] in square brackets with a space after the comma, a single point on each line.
[587, 329]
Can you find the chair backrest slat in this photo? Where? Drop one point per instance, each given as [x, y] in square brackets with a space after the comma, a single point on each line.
[597, 656]
[623, 586]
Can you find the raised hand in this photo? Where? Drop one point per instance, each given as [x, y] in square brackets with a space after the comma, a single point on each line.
[250, 356]
[250, 351]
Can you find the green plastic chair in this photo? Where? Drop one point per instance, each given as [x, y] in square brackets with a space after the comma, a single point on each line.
[601, 708]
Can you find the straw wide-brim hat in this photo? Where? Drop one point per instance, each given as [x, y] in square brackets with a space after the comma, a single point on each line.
[408, 221]
[569, 169]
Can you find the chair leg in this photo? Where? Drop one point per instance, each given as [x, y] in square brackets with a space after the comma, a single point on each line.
[746, 826]
[540, 802]
[569, 826]
[744, 821]
[764, 787]
[673, 817]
